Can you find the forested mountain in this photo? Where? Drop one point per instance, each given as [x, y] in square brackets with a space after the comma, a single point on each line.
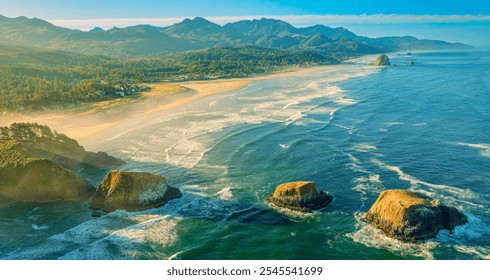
[199, 33]
[131, 41]
[22, 30]
[44, 66]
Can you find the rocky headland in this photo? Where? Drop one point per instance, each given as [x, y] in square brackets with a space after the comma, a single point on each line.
[39, 165]
[39, 141]
[25, 178]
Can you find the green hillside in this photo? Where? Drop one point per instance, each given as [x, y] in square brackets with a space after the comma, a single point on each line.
[34, 79]
[43, 66]
[199, 33]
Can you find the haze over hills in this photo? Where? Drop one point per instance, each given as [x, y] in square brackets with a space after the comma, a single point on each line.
[199, 33]
[43, 66]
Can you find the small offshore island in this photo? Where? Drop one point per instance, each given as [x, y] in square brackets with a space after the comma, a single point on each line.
[78, 67]
[41, 166]
[185, 173]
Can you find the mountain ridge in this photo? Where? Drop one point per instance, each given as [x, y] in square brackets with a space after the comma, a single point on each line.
[200, 33]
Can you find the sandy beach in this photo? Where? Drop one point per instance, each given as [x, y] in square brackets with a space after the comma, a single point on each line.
[88, 121]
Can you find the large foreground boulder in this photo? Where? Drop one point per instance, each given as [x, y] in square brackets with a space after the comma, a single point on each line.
[299, 196]
[24, 178]
[382, 60]
[410, 216]
[132, 191]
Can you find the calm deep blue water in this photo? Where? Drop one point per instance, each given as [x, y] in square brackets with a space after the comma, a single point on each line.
[355, 130]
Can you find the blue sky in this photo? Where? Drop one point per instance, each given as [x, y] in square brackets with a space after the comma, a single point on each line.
[453, 20]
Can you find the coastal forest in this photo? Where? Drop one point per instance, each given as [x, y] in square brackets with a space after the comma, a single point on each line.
[43, 66]
[65, 80]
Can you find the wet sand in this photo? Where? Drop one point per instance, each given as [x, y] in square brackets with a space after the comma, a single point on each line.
[89, 121]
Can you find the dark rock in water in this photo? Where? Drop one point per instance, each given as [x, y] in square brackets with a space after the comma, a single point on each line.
[409, 53]
[382, 60]
[132, 191]
[96, 214]
[410, 216]
[25, 178]
[299, 196]
[39, 141]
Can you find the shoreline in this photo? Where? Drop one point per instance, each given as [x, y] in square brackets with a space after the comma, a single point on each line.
[85, 122]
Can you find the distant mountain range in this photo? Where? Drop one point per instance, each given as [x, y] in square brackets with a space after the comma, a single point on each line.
[199, 33]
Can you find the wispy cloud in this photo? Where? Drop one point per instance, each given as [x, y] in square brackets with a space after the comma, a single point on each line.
[298, 20]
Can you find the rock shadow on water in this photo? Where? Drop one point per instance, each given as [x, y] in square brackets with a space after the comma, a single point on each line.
[88, 233]
[106, 237]
[196, 206]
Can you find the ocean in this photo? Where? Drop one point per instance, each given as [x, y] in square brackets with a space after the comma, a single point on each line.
[353, 129]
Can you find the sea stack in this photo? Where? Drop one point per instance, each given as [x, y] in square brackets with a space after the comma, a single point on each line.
[132, 191]
[382, 60]
[299, 196]
[410, 216]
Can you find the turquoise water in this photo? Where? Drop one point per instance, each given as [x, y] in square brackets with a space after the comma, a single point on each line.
[355, 130]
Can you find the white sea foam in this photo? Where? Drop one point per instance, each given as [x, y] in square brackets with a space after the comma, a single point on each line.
[348, 128]
[370, 183]
[225, 194]
[313, 85]
[455, 196]
[295, 215]
[480, 252]
[175, 256]
[353, 158]
[294, 117]
[365, 147]
[37, 227]
[156, 231]
[284, 146]
[85, 235]
[181, 138]
[484, 147]
[34, 210]
[371, 236]
[288, 107]
[223, 188]
[322, 109]
[194, 189]
[345, 101]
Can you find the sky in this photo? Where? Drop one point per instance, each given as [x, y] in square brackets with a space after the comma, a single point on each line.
[466, 21]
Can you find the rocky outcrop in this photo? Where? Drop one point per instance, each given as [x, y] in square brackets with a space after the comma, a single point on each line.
[132, 191]
[299, 196]
[382, 60]
[39, 141]
[410, 216]
[24, 178]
